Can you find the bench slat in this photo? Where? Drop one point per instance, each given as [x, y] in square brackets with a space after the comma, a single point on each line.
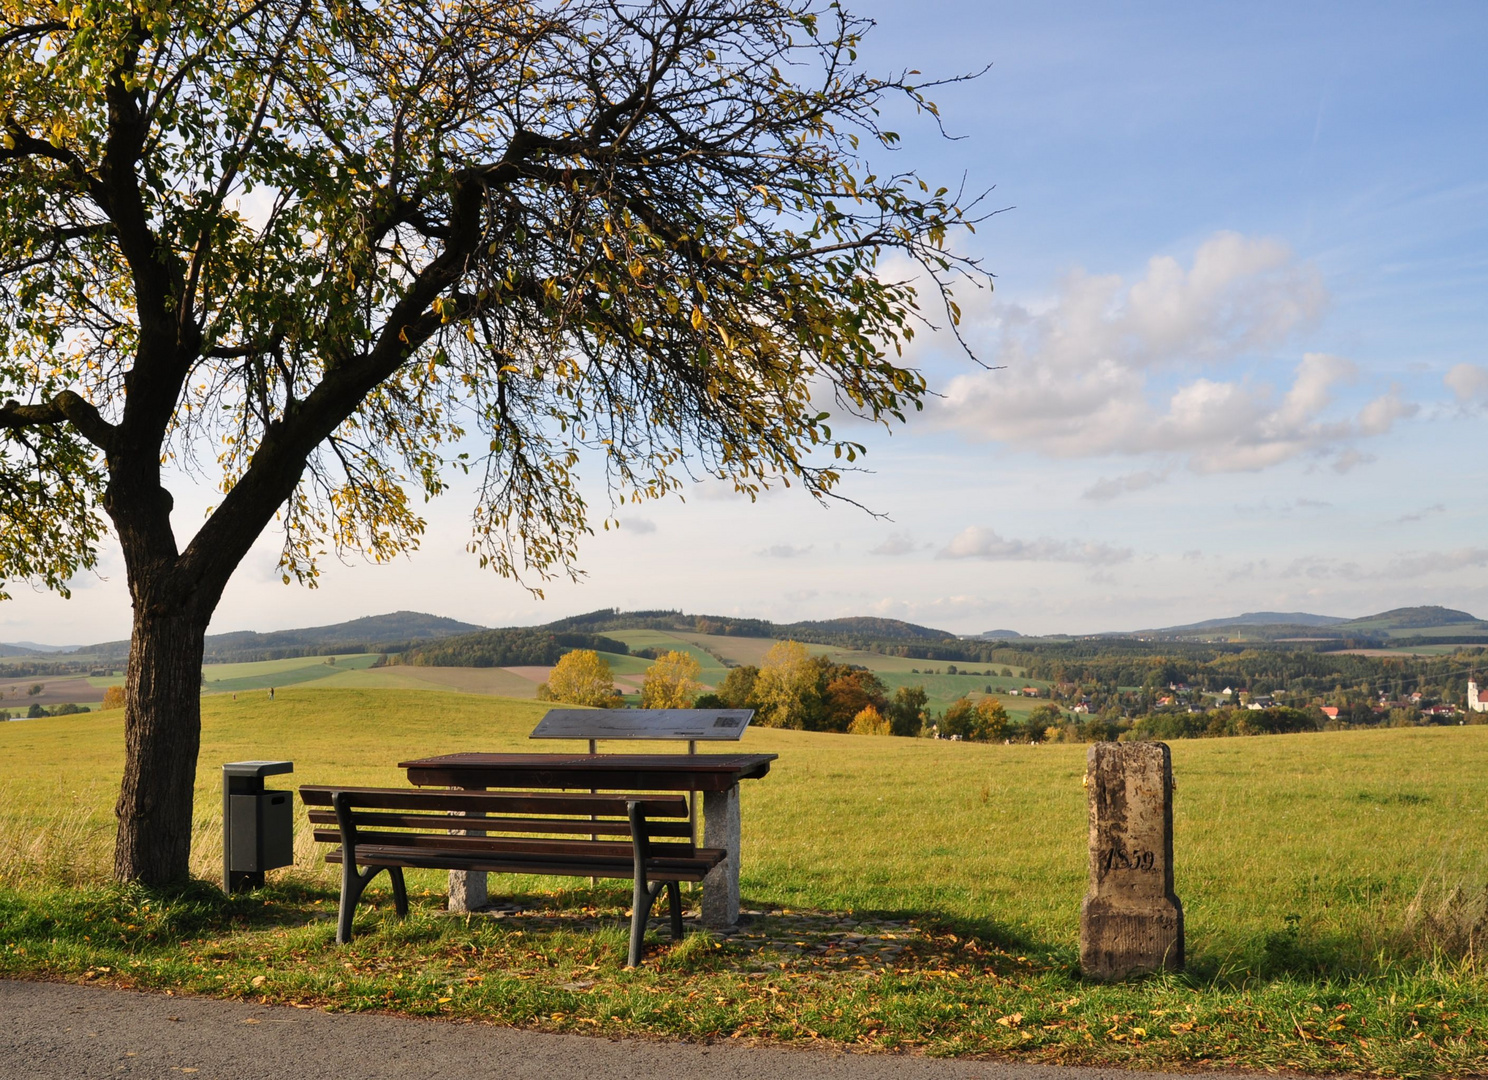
[694, 869]
[599, 849]
[494, 802]
[576, 825]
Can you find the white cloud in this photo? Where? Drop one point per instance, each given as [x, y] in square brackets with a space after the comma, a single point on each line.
[1105, 489]
[1422, 514]
[1412, 565]
[896, 544]
[1352, 459]
[1100, 370]
[975, 542]
[1468, 382]
[639, 526]
[1436, 562]
[785, 551]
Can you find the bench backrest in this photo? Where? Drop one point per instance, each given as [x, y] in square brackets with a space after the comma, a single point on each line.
[548, 823]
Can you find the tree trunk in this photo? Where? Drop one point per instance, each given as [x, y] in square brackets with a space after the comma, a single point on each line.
[162, 732]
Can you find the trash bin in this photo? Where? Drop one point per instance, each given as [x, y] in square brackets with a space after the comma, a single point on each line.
[257, 825]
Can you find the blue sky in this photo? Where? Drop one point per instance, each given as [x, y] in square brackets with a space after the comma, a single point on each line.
[1240, 311]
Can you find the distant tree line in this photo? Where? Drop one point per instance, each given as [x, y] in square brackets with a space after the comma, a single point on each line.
[517, 647]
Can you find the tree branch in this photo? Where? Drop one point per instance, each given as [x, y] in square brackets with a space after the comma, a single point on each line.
[67, 407]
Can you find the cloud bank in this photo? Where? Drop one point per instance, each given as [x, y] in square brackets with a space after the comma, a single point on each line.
[975, 542]
[1103, 369]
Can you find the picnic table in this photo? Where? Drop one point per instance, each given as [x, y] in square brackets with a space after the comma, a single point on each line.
[716, 776]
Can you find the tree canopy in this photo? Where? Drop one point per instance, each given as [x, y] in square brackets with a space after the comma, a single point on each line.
[581, 677]
[323, 255]
[671, 682]
[318, 248]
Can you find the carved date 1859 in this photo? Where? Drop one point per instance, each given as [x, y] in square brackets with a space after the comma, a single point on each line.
[1114, 858]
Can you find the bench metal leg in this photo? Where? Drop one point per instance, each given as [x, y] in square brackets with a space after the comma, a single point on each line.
[641, 900]
[400, 892]
[353, 884]
[674, 899]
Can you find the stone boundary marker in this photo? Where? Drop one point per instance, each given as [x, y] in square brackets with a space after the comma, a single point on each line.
[1131, 921]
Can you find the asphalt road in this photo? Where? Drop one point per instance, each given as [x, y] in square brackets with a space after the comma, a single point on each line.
[65, 1032]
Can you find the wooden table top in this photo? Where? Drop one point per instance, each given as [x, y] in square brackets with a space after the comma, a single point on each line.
[631, 772]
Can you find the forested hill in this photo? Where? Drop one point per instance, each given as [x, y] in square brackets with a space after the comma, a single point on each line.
[1417, 624]
[516, 646]
[393, 632]
[854, 631]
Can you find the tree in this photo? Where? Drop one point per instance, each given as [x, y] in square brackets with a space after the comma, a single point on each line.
[906, 711]
[982, 721]
[785, 689]
[671, 682]
[737, 688]
[959, 719]
[581, 677]
[1039, 722]
[991, 720]
[848, 692]
[324, 254]
[869, 722]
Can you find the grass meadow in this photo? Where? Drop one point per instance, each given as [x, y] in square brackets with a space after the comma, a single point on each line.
[1333, 887]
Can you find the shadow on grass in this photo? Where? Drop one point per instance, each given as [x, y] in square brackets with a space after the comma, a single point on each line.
[593, 921]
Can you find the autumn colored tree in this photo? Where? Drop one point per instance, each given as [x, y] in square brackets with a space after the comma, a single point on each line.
[981, 721]
[991, 720]
[847, 693]
[322, 254]
[671, 682]
[785, 690]
[869, 722]
[581, 677]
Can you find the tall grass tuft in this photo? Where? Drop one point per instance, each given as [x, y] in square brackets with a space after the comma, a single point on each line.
[66, 846]
[1449, 915]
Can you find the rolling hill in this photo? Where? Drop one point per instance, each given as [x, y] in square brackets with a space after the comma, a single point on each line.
[392, 632]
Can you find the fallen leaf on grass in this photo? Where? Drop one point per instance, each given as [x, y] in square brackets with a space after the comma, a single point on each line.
[259, 980]
[1011, 1021]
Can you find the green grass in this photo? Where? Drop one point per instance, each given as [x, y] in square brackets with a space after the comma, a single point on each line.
[746, 650]
[1298, 859]
[262, 674]
[713, 669]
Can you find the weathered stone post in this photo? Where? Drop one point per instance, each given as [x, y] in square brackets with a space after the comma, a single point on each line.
[1131, 921]
[467, 888]
[721, 886]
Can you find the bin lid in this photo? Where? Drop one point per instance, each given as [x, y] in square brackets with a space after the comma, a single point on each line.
[257, 768]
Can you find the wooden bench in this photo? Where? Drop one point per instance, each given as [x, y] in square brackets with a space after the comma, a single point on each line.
[643, 837]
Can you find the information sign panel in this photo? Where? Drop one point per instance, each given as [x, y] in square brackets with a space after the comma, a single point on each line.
[700, 725]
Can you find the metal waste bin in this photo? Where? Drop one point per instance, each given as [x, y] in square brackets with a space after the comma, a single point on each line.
[257, 825]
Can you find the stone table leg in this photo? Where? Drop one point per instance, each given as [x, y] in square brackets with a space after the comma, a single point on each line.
[467, 888]
[721, 886]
